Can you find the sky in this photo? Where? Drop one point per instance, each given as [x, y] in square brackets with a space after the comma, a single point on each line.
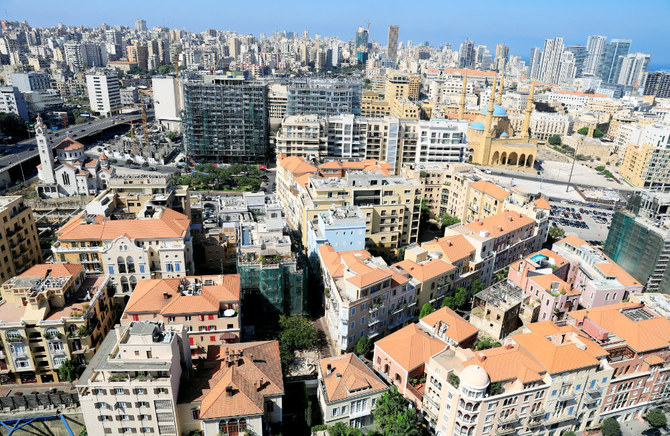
[521, 24]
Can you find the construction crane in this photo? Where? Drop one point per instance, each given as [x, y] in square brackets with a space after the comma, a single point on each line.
[211, 71]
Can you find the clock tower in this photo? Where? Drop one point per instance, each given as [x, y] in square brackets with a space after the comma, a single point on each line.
[46, 173]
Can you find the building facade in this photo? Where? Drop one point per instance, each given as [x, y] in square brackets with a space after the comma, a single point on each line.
[19, 244]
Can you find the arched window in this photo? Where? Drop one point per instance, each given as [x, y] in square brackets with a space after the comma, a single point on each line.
[133, 282]
[66, 179]
[122, 265]
[124, 284]
[130, 264]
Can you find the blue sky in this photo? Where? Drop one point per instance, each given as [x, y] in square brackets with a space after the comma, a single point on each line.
[521, 24]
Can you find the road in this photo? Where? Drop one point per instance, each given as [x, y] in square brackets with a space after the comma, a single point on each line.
[27, 149]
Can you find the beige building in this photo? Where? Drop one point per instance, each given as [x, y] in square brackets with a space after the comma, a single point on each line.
[347, 391]
[51, 313]
[374, 105]
[132, 383]
[302, 135]
[20, 247]
[209, 307]
[646, 166]
[484, 200]
[129, 249]
[543, 125]
[136, 193]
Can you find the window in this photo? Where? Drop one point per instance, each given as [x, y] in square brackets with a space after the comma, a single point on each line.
[118, 391]
[140, 391]
[212, 338]
[210, 316]
[196, 413]
[122, 405]
[171, 318]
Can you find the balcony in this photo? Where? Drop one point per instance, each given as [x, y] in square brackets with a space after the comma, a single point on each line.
[508, 419]
[505, 430]
[534, 423]
[536, 413]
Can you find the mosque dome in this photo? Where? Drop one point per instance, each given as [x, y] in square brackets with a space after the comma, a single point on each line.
[498, 111]
[477, 126]
[475, 376]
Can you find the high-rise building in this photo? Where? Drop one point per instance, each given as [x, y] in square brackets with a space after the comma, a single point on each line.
[581, 54]
[633, 68]
[611, 59]
[657, 83]
[103, 92]
[324, 97]
[466, 54]
[236, 131]
[594, 48]
[13, 101]
[639, 240]
[534, 62]
[550, 63]
[392, 47]
[18, 237]
[139, 53]
[141, 25]
[502, 54]
[31, 81]
[80, 56]
[567, 69]
[167, 106]
[361, 46]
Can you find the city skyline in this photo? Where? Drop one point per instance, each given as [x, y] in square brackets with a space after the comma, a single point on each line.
[342, 20]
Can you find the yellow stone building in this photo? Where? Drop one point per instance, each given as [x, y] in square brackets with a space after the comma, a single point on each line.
[19, 245]
[51, 313]
[646, 166]
[492, 140]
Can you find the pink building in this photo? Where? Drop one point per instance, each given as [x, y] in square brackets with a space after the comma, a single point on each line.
[598, 279]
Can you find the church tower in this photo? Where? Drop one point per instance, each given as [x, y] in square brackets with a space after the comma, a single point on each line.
[46, 173]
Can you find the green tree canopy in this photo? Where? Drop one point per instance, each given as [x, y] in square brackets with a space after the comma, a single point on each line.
[394, 416]
[14, 126]
[485, 343]
[363, 346]
[610, 427]
[554, 140]
[556, 232]
[342, 429]
[70, 370]
[657, 418]
[427, 309]
[297, 333]
[460, 297]
[476, 286]
[598, 133]
[449, 302]
[447, 220]
[583, 131]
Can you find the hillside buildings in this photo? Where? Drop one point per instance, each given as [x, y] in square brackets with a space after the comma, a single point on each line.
[18, 237]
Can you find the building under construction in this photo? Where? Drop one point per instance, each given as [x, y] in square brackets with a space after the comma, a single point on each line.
[225, 120]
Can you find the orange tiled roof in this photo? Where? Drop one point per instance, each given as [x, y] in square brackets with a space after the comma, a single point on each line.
[259, 362]
[559, 348]
[565, 91]
[410, 346]
[332, 165]
[297, 166]
[54, 270]
[69, 144]
[643, 335]
[148, 296]
[171, 224]
[613, 269]
[573, 240]
[501, 223]
[470, 72]
[542, 203]
[545, 280]
[458, 328]
[349, 377]
[491, 189]
[333, 260]
[508, 363]
[427, 270]
[453, 248]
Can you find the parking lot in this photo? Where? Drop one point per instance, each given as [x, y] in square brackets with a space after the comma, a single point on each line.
[588, 223]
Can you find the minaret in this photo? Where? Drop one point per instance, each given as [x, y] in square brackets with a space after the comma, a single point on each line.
[525, 128]
[489, 111]
[500, 91]
[47, 174]
[461, 105]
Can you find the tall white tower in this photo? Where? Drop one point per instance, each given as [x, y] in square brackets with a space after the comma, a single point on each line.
[46, 173]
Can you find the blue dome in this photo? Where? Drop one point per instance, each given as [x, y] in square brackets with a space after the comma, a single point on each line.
[477, 126]
[504, 135]
[498, 111]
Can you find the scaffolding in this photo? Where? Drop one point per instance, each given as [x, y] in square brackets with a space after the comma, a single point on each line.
[281, 287]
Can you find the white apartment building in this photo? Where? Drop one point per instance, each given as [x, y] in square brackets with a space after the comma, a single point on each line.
[103, 92]
[543, 124]
[13, 101]
[132, 383]
[167, 102]
[655, 135]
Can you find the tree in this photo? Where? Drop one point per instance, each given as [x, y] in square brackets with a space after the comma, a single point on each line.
[598, 133]
[425, 210]
[449, 302]
[129, 161]
[656, 418]
[569, 433]
[427, 309]
[447, 220]
[70, 370]
[556, 232]
[460, 297]
[495, 388]
[297, 333]
[342, 429]
[590, 91]
[583, 131]
[400, 254]
[145, 164]
[14, 126]
[363, 346]
[476, 286]
[554, 140]
[610, 427]
[393, 415]
[485, 343]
